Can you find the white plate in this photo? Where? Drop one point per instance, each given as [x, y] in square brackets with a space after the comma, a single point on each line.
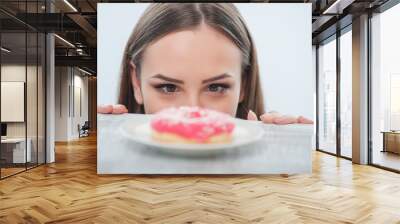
[245, 132]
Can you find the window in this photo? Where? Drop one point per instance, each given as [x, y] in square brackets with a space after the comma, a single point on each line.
[327, 96]
[22, 77]
[385, 88]
[346, 93]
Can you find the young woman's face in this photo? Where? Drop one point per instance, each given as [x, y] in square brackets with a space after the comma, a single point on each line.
[199, 67]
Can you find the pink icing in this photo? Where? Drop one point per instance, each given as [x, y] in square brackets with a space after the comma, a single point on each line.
[194, 123]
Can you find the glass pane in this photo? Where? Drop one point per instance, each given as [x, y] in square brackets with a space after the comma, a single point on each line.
[23, 89]
[31, 98]
[327, 96]
[346, 94]
[13, 87]
[386, 89]
[41, 98]
[395, 101]
[32, 86]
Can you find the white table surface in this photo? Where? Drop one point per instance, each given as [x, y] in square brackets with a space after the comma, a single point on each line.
[284, 149]
[19, 151]
[12, 140]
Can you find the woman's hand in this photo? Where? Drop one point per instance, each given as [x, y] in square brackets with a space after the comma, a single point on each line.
[277, 118]
[112, 109]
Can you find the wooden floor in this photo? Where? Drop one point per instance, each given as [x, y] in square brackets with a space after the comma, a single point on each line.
[70, 191]
[10, 171]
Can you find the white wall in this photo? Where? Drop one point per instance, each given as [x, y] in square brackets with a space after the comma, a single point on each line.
[62, 83]
[17, 72]
[282, 35]
[12, 100]
[314, 72]
[33, 127]
[80, 84]
[66, 100]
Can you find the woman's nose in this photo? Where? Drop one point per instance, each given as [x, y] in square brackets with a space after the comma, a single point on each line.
[193, 100]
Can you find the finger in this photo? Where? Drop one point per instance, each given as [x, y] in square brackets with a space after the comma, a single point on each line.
[252, 116]
[285, 120]
[304, 120]
[269, 117]
[105, 109]
[119, 109]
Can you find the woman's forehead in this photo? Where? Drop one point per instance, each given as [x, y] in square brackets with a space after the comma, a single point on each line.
[203, 50]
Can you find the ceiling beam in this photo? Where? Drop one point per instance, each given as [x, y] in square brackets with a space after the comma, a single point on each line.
[82, 61]
[337, 6]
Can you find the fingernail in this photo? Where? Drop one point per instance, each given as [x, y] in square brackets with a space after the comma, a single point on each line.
[252, 116]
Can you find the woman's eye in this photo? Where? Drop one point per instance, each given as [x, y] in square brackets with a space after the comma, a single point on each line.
[167, 88]
[218, 88]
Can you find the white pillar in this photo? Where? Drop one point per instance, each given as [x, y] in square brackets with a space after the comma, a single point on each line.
[50, 92]
[50, 110]
[360, 90]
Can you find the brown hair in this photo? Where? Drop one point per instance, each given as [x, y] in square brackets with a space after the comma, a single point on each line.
[160, 19]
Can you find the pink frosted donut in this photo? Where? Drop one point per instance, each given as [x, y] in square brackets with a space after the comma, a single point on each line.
[192, 125]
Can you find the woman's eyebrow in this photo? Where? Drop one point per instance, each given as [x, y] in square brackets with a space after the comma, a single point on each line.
[222, 76]
[166, 78]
